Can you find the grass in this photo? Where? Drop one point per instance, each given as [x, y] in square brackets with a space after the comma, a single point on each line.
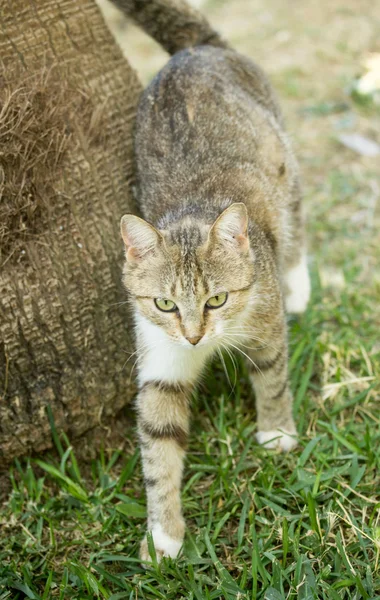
[260, 524]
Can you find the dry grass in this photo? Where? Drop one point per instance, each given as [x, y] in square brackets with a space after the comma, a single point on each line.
[33, 140]
[38, 115]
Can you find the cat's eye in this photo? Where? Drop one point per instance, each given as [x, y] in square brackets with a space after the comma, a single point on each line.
[165, 305]
[217, 301]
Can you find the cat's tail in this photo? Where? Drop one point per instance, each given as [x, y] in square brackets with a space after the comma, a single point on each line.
[172, 23]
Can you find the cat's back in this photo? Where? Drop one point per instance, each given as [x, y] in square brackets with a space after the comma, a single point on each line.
[209, 109]
[199, 77]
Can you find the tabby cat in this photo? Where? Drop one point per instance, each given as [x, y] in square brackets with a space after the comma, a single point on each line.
[219, 254]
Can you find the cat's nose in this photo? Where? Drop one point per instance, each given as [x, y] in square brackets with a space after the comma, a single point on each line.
[194, 339]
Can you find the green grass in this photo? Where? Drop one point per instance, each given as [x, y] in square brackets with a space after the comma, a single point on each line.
[260, 524]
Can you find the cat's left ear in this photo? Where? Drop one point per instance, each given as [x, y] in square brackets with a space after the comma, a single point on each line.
[140, 238]
[232, 226]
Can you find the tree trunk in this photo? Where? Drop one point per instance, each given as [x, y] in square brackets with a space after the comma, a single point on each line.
[67, 106]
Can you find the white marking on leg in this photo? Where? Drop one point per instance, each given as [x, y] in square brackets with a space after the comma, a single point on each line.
[277, 439]
[164, 542]
[298, 282]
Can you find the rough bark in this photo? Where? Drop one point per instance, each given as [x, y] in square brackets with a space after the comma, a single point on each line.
[64, 339]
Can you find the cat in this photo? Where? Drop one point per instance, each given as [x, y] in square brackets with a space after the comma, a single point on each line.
[217, 257]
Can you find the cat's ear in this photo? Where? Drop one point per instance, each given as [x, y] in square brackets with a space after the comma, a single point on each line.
[139, 237]
[232, 226]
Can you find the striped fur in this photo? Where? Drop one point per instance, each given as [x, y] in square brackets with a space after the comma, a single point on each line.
[163, 428]
[218, 187]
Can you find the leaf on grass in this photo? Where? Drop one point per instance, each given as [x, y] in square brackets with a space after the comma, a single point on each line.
[272, 594]
[127, 471]
[304, 383]
[73, 488]
[23, 587]
[193, 549]
[308, 587]
[226, 579]
[308, 450]
[243, 517]
[131, 509]
[117, 558]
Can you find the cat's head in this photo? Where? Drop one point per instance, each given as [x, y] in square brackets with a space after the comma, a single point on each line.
[192, 280]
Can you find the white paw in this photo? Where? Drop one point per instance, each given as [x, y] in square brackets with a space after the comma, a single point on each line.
[298, 283]
[163, 544]
[277, 439]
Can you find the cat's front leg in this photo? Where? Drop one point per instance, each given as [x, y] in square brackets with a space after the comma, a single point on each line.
[163, 427]
[269, 376]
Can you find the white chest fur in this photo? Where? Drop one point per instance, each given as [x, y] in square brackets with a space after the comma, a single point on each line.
[167, 361]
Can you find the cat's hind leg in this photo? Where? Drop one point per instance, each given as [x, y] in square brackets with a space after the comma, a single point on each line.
[297, 286]
[269, 376]
[295, 276]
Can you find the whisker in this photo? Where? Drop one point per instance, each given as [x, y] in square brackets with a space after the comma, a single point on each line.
[229, 336]
[118, 303]
[141, 350]
[225, 348]
[253, 337]
[138, 349]
[129, 358]
[232, 359]
[224, 366]
[135, 363]
[147, 349]
[250, 359]
[246, 331]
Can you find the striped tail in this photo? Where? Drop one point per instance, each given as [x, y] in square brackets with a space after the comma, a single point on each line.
[174, 24]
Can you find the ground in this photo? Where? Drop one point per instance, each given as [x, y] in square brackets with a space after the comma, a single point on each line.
[260, 524]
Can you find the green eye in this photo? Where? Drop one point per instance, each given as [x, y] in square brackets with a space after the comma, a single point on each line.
[217, 301]
[165, 305]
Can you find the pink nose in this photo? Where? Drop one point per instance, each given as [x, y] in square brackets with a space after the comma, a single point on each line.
[194, 339]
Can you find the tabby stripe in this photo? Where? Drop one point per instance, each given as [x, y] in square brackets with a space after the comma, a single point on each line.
[271, 239]
[171, 432]
[164, 386]
[280, 392]
[265, 365]
[150, 481]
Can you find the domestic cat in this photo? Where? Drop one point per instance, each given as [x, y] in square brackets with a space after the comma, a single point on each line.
[219, 253]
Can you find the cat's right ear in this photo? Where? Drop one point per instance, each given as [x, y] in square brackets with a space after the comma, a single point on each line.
[231, 227]
[140, 238]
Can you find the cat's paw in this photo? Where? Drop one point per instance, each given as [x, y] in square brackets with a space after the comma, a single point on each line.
[297, 282]
[163, 544]
[277, 439]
